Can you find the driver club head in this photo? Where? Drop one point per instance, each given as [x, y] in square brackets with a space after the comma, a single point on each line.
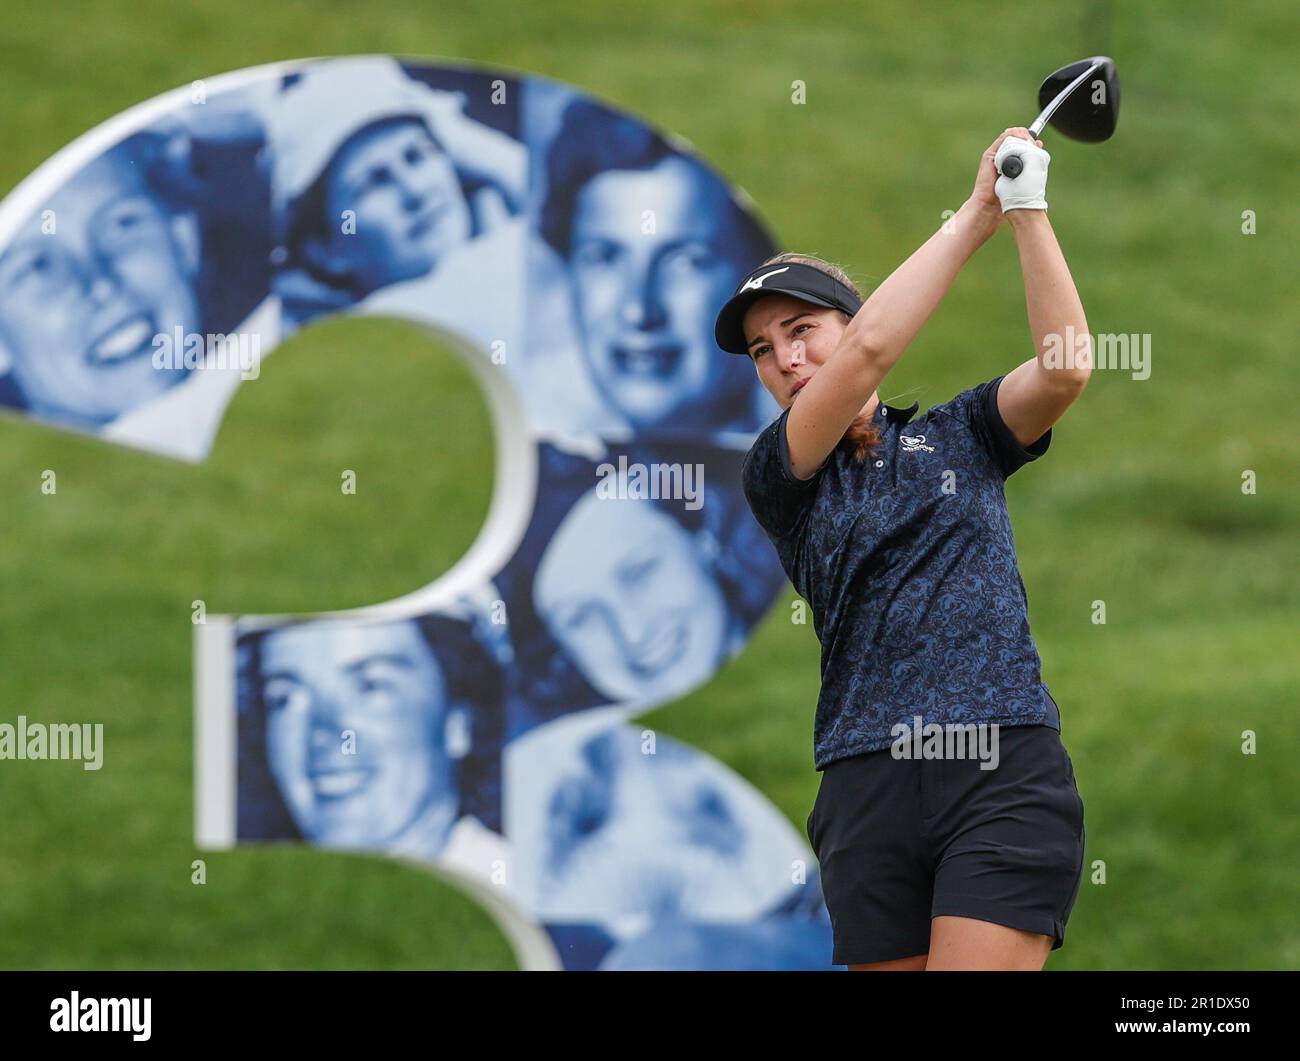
[1090, 112]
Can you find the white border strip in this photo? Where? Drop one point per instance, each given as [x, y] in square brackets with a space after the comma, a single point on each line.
[215, 752]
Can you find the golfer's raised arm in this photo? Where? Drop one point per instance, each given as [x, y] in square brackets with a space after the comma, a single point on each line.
[1035, 394]
[878, 334]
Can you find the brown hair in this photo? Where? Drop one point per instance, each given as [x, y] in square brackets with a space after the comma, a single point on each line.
[862, 434]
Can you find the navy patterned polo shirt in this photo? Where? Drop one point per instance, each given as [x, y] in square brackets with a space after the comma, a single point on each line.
[908, 565]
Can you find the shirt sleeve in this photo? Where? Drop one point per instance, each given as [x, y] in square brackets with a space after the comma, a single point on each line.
[777, 497]
[978, 407]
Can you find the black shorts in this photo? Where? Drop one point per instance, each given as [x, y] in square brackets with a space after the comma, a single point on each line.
[901, 841]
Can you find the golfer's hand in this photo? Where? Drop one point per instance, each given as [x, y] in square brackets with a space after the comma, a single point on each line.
[985, 195]
[1027, 190]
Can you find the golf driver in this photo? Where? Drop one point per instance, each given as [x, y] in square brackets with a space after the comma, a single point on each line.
[1087, 114]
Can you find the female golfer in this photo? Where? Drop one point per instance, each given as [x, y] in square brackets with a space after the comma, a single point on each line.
[948, 824]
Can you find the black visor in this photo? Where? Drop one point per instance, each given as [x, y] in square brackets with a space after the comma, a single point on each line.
[780, 278]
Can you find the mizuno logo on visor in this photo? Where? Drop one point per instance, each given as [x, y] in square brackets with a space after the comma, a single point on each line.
[757, 282]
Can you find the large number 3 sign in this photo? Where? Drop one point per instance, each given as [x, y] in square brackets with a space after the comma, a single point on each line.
[479, 725]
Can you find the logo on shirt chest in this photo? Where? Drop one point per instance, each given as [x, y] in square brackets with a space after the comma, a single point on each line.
[913, 443]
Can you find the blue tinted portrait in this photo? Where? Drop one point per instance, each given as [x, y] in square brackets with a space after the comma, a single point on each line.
[654, 244]
[378, 178]
[81, 302]
[374, 735]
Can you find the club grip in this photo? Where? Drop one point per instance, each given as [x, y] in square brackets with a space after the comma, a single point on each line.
[1012, 165]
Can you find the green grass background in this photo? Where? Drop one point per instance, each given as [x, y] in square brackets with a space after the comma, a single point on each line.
[1138, 502]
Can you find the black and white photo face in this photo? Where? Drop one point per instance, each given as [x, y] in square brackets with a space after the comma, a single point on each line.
[408, 201]
[646, 299]
[623, 588]
[381, 683]
[79, 308]
[613, 828]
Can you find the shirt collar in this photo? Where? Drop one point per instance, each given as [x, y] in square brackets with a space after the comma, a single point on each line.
[895, 415]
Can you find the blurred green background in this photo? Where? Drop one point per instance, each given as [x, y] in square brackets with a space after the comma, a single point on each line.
[1138, 503]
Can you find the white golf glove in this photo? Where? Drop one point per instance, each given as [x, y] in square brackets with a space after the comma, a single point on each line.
[1026, 191]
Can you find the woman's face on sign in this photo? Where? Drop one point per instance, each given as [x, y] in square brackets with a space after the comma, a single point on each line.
[381, 684]
[83, 300]
[624, 589]
[407, 199]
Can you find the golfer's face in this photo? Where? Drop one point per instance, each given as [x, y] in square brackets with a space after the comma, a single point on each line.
[408, 202]
[649, 268]
[382, 683]
[81, 305]
[622, 588]
[789, 340]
